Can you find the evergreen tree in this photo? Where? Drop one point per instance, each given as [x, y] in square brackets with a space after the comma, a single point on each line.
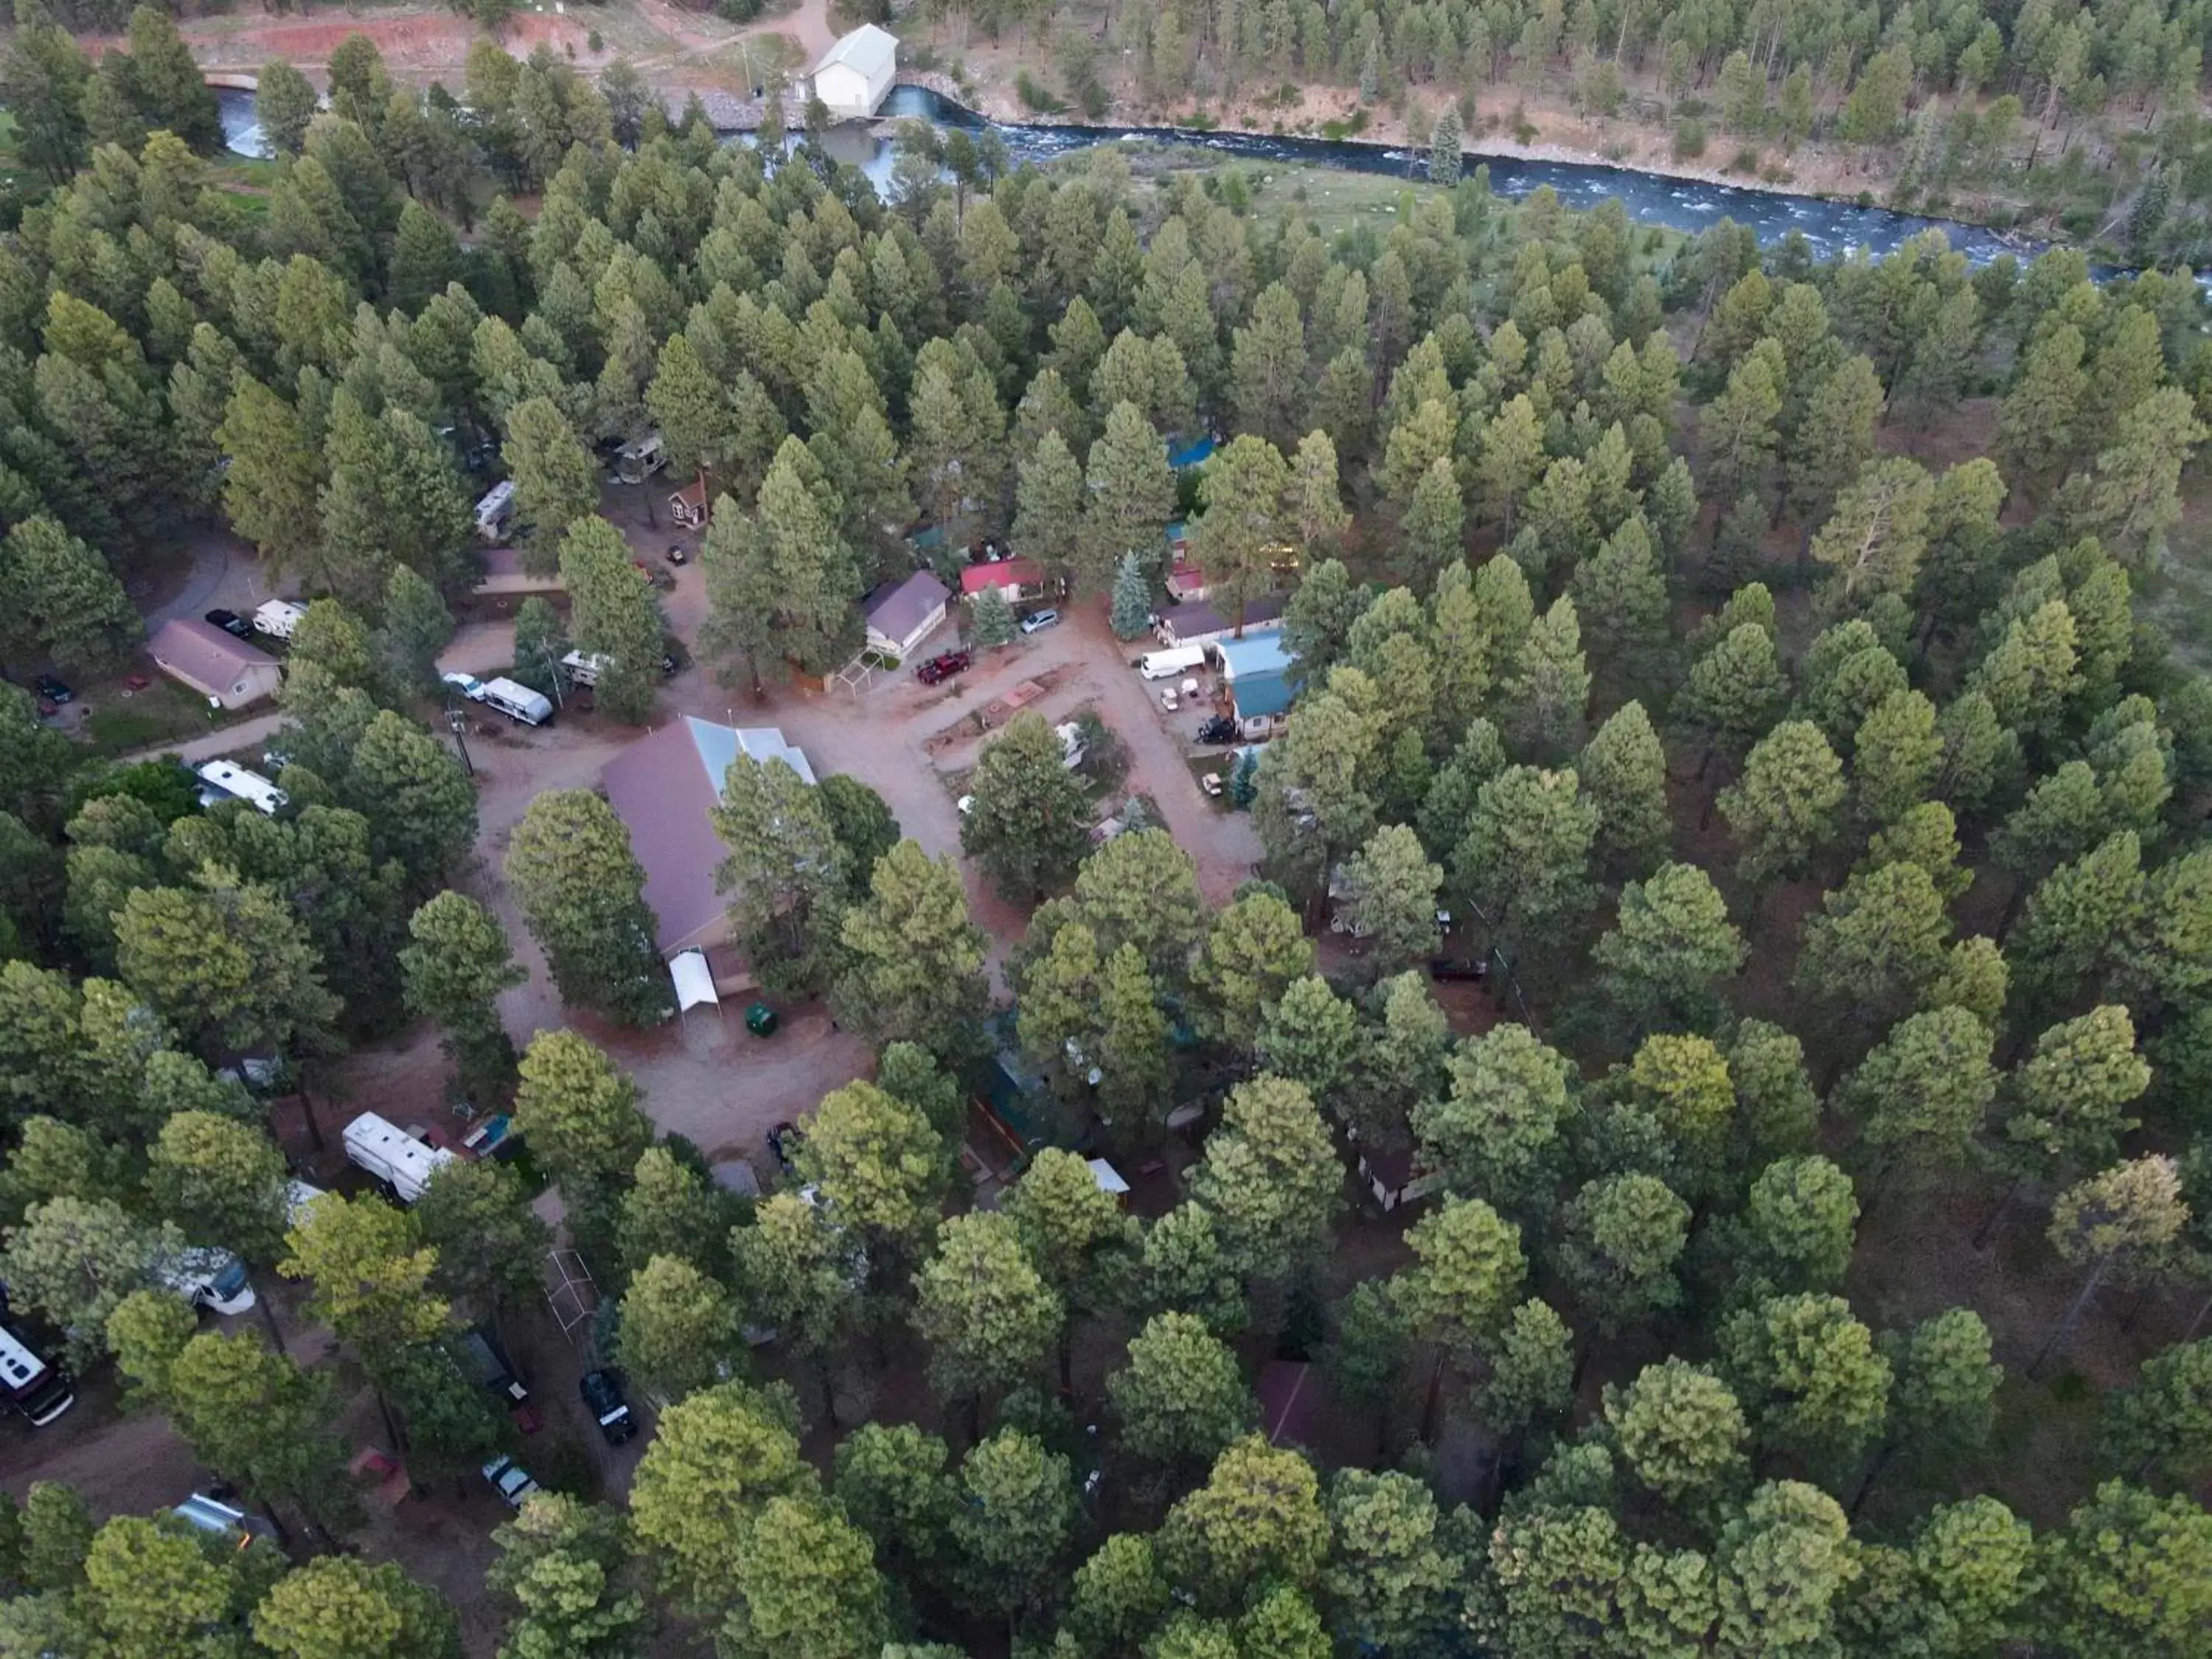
[581, 891]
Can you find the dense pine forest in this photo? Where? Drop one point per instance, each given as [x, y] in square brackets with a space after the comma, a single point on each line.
[1743, 651]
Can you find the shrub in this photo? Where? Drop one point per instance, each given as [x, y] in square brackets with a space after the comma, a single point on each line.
[1037, 98]
[1689, 138]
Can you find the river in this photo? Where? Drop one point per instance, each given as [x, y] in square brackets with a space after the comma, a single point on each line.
[1831, 228]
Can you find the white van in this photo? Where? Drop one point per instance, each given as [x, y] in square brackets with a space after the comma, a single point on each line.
[228, 780]
[1166, 665]
[516, 702]
[584, 667]
[394, 1157]
[279, 619]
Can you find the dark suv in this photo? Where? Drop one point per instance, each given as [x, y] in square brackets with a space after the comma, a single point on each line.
[231, 623]
[603, 1398]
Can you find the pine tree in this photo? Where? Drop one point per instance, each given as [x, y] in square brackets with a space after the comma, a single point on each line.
[58, 596]
[1132, 493]
[1624, 768]
[1132, 611]
[990, 618]
[1236, 537]
[1444, 149]
[555, 480]
[615, 616]
[1049, 509]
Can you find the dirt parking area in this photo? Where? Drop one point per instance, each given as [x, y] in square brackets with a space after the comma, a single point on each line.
[703, 1076]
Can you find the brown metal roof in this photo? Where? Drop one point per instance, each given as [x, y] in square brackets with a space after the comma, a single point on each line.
[203, 655]
[663, 787]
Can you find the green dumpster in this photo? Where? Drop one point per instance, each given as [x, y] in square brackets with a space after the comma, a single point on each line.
[760, 1020]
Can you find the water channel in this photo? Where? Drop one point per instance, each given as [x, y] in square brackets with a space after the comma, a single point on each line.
[1831, 228]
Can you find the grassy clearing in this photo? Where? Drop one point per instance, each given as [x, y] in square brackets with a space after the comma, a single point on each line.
[164, 712]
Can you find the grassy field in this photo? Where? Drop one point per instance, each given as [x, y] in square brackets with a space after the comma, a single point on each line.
[164, 712]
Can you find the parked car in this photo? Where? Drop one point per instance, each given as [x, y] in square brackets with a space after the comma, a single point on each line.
[676, 553]
[943, 666]
[783, 1141]
[509, 1480]
[231, 623]
[52, 690]
[467, 684]
[1037, 620]
[1219, 729]
[603, 1398]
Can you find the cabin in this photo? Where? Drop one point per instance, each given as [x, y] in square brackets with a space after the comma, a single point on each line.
[899, 615]
[1023, 579]
[688, 506]
[1255, 684]
[855, 75]
[1202, 624]
[225, 670]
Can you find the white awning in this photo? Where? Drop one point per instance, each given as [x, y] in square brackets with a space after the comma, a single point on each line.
[1108, 1177]
[694, 980]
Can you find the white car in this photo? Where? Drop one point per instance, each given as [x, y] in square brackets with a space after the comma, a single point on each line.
[507, 1477]
[467, 684]
[209, 1277]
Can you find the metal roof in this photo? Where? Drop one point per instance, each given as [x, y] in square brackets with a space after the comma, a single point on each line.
[897, 611]
[867, 51]
[663, 787]
[1255, 654]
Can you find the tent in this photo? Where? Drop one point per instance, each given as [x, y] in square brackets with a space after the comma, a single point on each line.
[694, 980]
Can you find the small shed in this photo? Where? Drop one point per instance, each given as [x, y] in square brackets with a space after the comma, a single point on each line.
[219, 666]
[901, 615]
[688, 506]
[855, 75]
[1393, 1176]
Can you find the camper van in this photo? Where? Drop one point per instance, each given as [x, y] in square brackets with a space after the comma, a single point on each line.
[394, 1157]
[279, 619]
[516, 702]
[495, 513]
[222, 780]
[37, 1389]
[1166, 665]
[584, 667]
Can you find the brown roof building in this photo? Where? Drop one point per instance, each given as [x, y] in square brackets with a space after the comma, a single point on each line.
[663, 787]
[202, 656]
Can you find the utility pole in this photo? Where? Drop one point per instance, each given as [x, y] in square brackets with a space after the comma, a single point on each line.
[455, 721]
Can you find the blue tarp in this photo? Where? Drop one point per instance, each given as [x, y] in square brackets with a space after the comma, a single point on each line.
[1194, 454]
